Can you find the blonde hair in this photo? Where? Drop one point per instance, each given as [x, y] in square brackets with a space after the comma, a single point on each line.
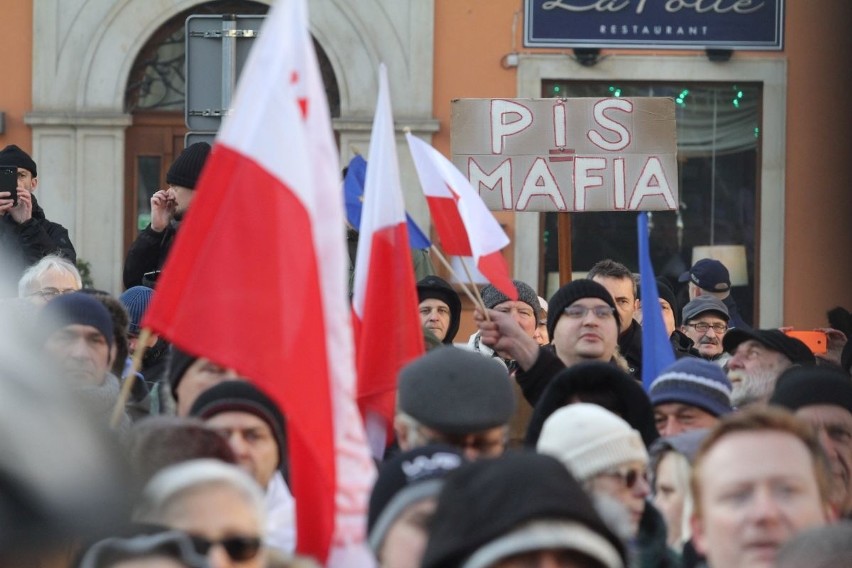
[682, 475]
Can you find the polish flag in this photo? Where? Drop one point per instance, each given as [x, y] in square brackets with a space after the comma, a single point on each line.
[257, 280]
[384, 298]
[465, 226]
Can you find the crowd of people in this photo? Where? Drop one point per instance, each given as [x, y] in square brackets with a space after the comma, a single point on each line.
[532, 443]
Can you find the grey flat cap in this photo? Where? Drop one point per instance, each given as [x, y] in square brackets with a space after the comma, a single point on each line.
[456, 391]
[703, 304]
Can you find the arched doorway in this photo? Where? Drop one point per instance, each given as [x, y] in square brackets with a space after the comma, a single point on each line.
[155, 99]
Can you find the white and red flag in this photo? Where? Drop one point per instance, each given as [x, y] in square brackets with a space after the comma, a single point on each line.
[257, 280]
[384, 295]
[464, 224]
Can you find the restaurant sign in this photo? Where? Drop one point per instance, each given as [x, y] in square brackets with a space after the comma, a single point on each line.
[643, 24]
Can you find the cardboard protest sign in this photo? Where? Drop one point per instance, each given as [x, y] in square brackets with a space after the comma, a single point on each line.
[580, 154]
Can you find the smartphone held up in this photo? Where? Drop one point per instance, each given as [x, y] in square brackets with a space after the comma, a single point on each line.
[817, 341]
[9, 182]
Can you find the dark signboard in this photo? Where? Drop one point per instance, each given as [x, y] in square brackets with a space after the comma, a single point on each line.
[643, 24]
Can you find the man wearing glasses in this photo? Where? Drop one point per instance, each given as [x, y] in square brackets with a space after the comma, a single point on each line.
[758, 358]
[582, 324]
[49, 278]
[610, 461]
[25, 233]
[705, 323]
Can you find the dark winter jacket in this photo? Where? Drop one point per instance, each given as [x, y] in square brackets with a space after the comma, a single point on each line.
[31, 241]
[682, 345]
[650, 549]
[630, 347]
[534, 381]
[148, 253]
[736, 320]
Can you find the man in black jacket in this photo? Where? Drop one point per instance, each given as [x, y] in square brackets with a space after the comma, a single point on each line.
[25, 233]
[149, 251]
[619, 281]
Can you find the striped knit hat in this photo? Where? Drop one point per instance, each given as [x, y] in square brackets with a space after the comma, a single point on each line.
[695, 382]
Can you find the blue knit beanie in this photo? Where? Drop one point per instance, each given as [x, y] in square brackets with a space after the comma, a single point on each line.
[695, 382]
[135, 300]
[76, 309]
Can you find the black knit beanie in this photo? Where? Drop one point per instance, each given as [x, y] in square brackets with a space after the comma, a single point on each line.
[439, 289]
[178, 362]
[11, 155]
[185, 170]
[486, 500]
[665, 292]
[242, 396]
[79, 309]
[572, 292]
[805, 386]
[405, 479]
[587, 381]
[491, 296]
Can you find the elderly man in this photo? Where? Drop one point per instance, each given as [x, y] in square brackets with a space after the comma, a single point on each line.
[50, 277]
[440, 308]
[25, 232]
[822, 397]
[619, 281]
[582, 323]
[758, 357]
[759, 478]
[608, 458]
[524, 311]
[456, 397]
[688, 395]
[705, 321]
[254, 427]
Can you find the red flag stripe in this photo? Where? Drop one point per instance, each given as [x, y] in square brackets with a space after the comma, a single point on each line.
[449, 225]
[192, 321]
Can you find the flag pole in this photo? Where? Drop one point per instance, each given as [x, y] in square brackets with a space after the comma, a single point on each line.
[475, 287]
[480, 305]
[130, 378]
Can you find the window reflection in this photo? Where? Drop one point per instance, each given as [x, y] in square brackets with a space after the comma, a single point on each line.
[718, 130]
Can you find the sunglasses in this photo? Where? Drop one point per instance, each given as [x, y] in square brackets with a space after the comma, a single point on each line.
[630, 477]
[239, 548]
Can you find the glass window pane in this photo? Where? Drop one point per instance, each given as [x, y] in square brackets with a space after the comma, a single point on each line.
[147, 183]
[718, 155]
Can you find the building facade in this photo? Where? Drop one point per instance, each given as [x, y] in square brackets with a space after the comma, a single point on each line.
[782, 194]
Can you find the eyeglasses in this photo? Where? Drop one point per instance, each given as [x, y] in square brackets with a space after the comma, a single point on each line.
[239, 548]
[702, 327]
[630, 477]
[48, 293]
[578, 312]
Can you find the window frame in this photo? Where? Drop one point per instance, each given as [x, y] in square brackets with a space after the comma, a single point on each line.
[533, 69]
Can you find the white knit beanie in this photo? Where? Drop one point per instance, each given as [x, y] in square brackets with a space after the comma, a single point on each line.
[589, 440]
